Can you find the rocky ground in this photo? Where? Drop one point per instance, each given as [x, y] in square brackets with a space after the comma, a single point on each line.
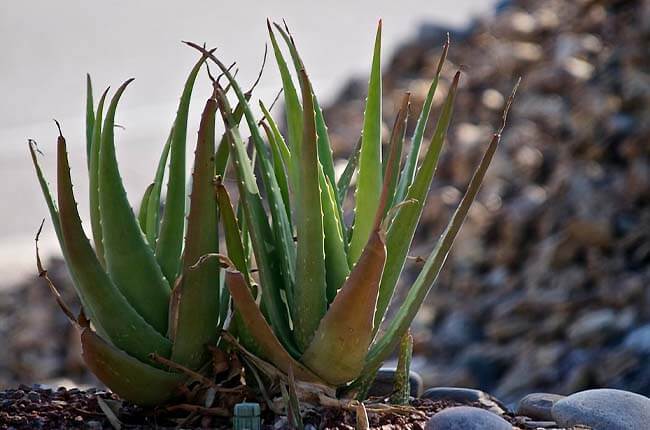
[546, 289]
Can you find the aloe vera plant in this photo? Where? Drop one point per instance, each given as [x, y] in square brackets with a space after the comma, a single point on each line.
[147, 312]
[312, 293]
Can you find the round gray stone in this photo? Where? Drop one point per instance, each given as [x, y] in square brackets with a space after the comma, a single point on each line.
[604, 409]
[466, 418]
[467, 396]
[383, 385]
[538, 406]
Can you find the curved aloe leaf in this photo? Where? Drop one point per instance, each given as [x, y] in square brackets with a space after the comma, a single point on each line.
[130, 261]
[291, 99]
[370, 175]
[395, 152]
[416, 295]
[346, 331]
[324, 146]
[90, 117]
[142, 212]
[336, 261]
[93, 181]
[311, 283]
[346, 177]
[258, 226]
[261, 331]
[153, 203]
[197, 314]
[170, 240]
[408, 172]
[278, 166]
[401, 232]
[126, 376]
[105, 304]
[282, 235]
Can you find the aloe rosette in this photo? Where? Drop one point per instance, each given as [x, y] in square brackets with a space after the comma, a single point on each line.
[311, 291]
[151, 315]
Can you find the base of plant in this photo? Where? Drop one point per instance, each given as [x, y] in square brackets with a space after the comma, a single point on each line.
[36, 407]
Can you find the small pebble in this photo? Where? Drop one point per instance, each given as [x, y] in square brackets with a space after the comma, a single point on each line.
[538, 406]
[467, 418]
[467, 396]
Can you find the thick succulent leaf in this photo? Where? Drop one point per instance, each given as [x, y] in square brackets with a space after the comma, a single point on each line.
[104, 303]
[54, 216]
[170, 240]
[339, 347]
[408, 172]
[197, 314]
[278, 166]
[153, 204]
[292, 104]
[395, 151]
[130, 261]
[282, 146]
[324, 146]
[343, 183]
[370, 175]
[239, 258]
[347, 330]
[258, 229]
[418, 291]
[126, 376]
[221, 156]
[142, 212]
[232, 232]
[311, 284]
[93, 181]
[90, 117]
[47, 193]
[336, 261]
[282, 241]
[402, 229]
[272, 349]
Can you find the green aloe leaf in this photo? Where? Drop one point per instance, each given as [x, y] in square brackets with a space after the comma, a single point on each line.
[370, 170]
[47, 193]
[401, 232]
[419, 290]
[411, 162]
[170, 240]
[142, 212]
[104, 303]
[291, 99]
[310, 294]
[345, 333]
[93, 181]
[343, 183]
[272, 349]
[336, 261]
[324, 146]
[334, 228]
[278, 166]
[90, 117]
[153, 204]
[130, 261]
[258, 227]
[395, 151]
[239, 258]
[126, 376]
[282, 235]
[197, 314]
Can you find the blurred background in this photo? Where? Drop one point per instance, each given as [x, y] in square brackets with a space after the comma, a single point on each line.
[547, 286]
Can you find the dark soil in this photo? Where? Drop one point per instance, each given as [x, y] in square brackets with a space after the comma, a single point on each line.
[40, 408]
